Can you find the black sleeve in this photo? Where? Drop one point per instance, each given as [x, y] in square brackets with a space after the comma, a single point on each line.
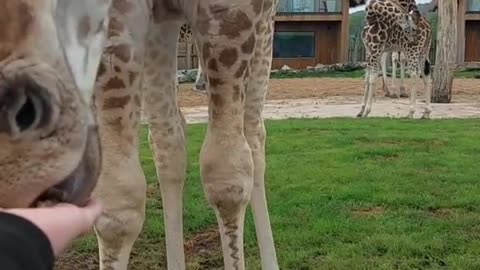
[23, 246]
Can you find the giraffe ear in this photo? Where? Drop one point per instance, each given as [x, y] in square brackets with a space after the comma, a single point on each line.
[81, 29]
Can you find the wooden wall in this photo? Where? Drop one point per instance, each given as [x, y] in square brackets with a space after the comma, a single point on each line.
[328, 45]
[187, 56]
[472, 41]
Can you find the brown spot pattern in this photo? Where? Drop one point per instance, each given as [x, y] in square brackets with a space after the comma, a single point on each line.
[233, 23]
[217, 100]
[228, 57]
[121, 51]
[116, 102]
[249, 45]
[212, 64]
[114, 83]
[214, 82]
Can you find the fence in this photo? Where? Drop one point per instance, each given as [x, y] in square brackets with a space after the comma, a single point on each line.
[187, 55]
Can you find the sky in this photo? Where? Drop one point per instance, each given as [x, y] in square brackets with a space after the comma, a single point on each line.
[362, 7]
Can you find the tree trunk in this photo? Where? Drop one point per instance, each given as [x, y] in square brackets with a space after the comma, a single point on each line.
[446, 52]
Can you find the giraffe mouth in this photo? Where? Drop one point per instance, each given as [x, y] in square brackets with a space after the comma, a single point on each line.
[78, 186]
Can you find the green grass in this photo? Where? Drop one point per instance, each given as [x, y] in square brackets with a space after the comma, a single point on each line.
[360, 73]
[345, 194]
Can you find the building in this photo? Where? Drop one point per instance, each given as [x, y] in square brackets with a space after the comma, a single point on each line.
[309, 32]
[469, 31]
[468, 22]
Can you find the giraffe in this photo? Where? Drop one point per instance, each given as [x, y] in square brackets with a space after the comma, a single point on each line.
[71, 93]
[49, 55]
[234, 39]
[391, 27]
[398, 58]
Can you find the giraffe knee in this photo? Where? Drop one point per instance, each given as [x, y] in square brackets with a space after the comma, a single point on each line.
[116, 232]
[228, 180]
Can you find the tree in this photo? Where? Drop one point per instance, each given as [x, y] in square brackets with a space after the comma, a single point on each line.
[446, 51]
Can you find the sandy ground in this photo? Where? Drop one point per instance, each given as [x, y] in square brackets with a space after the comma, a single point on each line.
[332, 97]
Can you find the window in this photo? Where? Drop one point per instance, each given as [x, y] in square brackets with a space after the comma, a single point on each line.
[294, 45]
[309, 6]
[473, 5]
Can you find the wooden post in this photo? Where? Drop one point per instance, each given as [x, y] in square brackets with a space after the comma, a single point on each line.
[446, 54]
[189, 54]
[344, 31]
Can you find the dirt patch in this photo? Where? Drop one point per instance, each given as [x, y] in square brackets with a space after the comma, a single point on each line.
[368, 212]
[74, 260]
[443, 213]
[319, 88]
[203, 250]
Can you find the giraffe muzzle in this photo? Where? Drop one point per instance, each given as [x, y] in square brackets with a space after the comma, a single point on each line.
[78, 186]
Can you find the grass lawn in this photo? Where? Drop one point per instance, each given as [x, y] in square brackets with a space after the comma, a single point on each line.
[343, 194]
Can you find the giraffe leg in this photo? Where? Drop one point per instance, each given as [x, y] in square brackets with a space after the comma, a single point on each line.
[394, 73]
[428, 96]
[403, 92]
[122, 185]
[384, 75]
[121, 223]
[371, 88]
[255, 133]
[365, 94]
[227, 36]
[200, 84]
[413, 95]
[166, 131]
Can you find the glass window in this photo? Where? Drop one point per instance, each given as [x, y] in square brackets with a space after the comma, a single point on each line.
[473, 6]
[309, 6]
[294, 45]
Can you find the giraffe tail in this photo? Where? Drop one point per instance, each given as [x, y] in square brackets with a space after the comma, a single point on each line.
[427, 68]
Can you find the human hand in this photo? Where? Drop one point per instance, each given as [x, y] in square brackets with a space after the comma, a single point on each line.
[62, 223]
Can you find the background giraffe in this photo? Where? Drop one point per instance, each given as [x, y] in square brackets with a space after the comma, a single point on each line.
[392, 27]
[398, 57]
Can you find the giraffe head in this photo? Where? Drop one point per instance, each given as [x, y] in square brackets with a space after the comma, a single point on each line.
[49, 54]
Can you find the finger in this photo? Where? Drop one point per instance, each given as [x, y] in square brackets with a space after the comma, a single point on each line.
[93, 210]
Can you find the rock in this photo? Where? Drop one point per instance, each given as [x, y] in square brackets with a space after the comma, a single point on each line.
[187, 75]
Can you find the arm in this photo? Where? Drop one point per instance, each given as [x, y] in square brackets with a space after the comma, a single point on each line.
[23, 245]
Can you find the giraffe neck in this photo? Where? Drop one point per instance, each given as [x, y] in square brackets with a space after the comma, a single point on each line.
[388, 13]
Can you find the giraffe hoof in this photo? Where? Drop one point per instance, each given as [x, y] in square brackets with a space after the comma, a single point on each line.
[359, 115]
[404, 95]
[409, 116]
[394, 96]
